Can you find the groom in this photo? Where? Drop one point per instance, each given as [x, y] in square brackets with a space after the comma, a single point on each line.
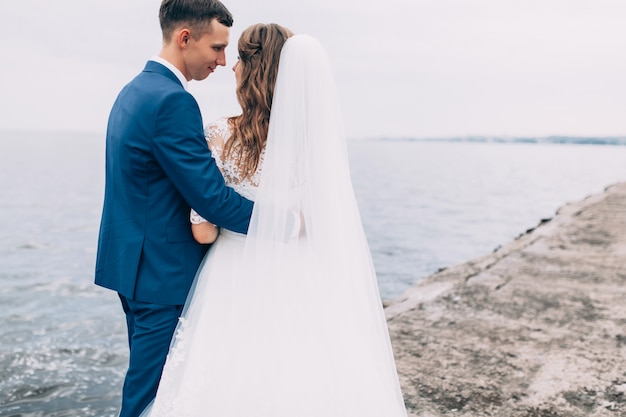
[158, 166]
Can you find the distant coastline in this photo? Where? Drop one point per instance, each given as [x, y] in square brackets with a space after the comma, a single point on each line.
[554, 139]
[570, 140]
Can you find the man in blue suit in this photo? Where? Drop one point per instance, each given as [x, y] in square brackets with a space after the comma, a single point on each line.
[158, 166]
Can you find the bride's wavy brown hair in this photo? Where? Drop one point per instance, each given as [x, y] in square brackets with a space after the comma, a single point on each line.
[259, 53]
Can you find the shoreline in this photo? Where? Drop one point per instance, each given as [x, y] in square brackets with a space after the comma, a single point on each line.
[535, 328]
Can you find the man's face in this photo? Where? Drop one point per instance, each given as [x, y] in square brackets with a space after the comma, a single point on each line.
[202, 56]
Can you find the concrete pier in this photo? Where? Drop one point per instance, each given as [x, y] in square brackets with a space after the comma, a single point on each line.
[536, 328]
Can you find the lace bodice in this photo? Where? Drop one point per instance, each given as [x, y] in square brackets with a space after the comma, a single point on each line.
[216, 134]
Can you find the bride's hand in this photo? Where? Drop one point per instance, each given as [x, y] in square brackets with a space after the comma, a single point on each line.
[204, 232]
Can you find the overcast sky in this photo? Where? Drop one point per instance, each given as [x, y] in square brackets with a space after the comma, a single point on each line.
[404, 68]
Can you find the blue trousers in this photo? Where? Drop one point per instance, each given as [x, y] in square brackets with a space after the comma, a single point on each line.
[150, 330]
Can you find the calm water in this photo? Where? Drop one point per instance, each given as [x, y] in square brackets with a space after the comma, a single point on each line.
[425, 205]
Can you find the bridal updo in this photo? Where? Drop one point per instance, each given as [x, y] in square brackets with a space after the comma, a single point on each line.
[259, 48]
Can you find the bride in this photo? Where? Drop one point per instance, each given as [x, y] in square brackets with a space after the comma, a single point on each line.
[286, 321]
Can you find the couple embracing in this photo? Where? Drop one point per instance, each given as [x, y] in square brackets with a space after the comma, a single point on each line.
[281, 316]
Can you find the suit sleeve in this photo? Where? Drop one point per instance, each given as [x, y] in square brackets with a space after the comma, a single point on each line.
[180, 148]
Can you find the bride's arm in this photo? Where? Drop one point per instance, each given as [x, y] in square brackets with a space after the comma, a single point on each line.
[203, 231]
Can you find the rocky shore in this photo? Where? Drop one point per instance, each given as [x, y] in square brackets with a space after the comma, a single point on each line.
[535, 329]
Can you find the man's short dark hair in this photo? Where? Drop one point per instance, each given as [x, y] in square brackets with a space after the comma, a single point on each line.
[195, 14]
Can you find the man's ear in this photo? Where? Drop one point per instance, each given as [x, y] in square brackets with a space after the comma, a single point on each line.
[183, 37]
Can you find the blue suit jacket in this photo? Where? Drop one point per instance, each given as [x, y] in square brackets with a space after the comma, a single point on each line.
[158, 165]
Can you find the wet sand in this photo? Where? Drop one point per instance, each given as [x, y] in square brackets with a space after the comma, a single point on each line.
[536, 328]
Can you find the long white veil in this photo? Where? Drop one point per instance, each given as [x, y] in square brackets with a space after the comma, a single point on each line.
[317, 288]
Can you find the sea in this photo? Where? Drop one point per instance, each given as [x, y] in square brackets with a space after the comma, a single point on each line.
[425, 205]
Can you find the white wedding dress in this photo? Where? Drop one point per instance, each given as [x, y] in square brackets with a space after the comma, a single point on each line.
[281, 324]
